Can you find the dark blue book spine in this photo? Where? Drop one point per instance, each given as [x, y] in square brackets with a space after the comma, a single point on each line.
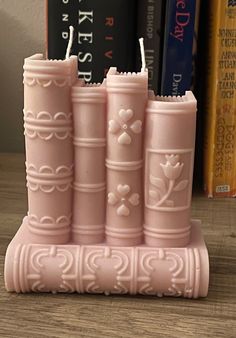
[150, 26]
[178, 44]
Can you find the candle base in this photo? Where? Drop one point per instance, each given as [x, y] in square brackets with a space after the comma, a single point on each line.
[104, 269]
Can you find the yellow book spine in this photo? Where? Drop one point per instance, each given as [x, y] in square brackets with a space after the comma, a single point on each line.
[220, 135]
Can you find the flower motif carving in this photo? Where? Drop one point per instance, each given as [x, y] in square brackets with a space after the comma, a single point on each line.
[124, 128]
[123, 199]
[172, 170]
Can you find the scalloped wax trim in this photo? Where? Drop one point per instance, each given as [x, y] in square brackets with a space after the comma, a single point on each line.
[46, 170]
[46, 83]
[60, 221]
[48, 187]
[45, 126]
[44, 115]
[48, 135]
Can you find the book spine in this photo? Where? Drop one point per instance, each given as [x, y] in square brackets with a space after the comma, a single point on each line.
[60, 15]
[105, 33]
[89, 114]
[150, 26]
[181, 272]
[168, 170]
[220, 140]
[177, 50]
[49, 148]
[126, 102]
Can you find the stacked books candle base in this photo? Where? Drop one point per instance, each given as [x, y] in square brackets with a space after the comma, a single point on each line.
[106, 268]
[109, 177]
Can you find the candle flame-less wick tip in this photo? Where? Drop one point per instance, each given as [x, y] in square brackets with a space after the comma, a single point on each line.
[142, 51]
[71, 28]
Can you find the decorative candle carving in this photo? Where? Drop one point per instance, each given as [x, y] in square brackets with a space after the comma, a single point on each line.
[169, 148]
[89, 111]
[42, 257]
[179, 272]
[126, 102]
[49, 151]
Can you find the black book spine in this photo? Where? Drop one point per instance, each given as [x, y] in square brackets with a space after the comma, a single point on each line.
[105, 34]
[150, 26]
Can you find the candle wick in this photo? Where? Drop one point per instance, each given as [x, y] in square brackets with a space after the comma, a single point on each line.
[71, 28]
[141, 43]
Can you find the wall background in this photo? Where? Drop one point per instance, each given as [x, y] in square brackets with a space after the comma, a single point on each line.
[22, 33]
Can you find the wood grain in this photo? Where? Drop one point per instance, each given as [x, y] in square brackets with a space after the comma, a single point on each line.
[46, 315]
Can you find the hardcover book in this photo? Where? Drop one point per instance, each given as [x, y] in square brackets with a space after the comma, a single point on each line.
[150, 26]
[105, 34]
[220, 101]
[178, 43]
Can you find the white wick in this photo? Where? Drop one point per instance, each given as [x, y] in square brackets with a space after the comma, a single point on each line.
[141, 43]
[71, 28]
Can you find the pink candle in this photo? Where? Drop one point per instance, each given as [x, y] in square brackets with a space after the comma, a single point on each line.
[169, 155]
[49, 149]
[127, 96]
[106, 204]
[89, 111]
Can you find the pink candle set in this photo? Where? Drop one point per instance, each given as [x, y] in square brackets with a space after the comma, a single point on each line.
[109, 176]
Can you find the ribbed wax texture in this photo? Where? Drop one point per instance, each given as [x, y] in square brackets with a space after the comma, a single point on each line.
[126, 102]
[169, 155]
[89, 113]
[49, 148]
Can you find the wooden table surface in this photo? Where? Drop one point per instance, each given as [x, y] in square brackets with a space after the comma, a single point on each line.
[61, 315]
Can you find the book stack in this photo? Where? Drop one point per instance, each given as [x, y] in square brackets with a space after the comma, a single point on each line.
[107, 35]
[219, 100]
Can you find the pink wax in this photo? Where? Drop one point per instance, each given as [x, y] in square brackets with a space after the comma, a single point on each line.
[89, 111]
[126, 103]
[49, 149]
[169, 156]
[119, 222]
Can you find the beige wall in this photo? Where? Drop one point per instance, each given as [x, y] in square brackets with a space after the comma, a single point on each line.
[22, 33]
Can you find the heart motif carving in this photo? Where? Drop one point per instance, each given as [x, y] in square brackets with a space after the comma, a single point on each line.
[134, 199]
[124, 138]
[112, 199]
[113, 126]
[123, 211]
[136, 127]
[123, 189]
[126, 114]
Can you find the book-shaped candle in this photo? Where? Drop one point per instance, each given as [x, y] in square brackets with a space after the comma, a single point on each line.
[125, 227]
[89, 112]
[126, 103]
[169, 155]
[49, 148]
